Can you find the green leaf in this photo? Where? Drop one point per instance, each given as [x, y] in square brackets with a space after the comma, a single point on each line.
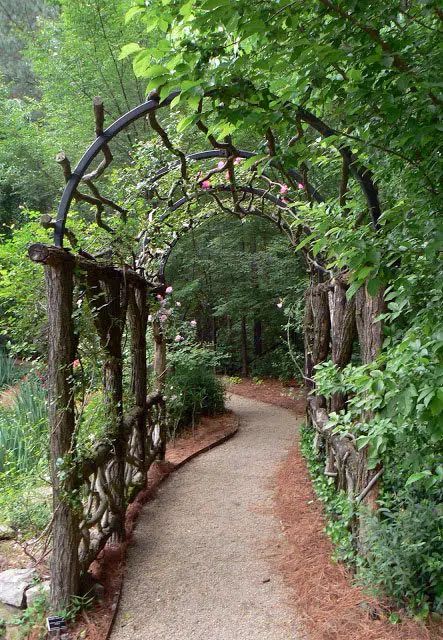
[209, 5]
[305, 241]
[133, 11]
[246, 164]
[129, 49]
[186, 122]
[415, 477]
[373, 286]
[353, 288]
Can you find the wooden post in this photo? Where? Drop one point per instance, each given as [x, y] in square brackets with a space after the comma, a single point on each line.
[342, 315]
[160, 377]
[107, 299]
[316, 330]
[137, 315]
[65, 531]
[370, 334]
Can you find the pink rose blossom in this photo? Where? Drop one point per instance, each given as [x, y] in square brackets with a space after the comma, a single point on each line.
[301, 185]
[284, 188]
[221, 164]
[193, 323]
[178, 304]
[76, 363]
[159, 296]
[168, 289]
[205, 184]
[178, 338]
[163, 318]
[238, 160]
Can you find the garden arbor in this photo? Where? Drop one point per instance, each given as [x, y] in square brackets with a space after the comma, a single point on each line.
[91, 492]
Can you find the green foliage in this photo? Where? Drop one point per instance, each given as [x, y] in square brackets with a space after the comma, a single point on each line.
[9, 371]
[192, 387]
[405, 558]
[23, 429]
[25, 501]
[228, 270]
[25, 498]
[338, 509]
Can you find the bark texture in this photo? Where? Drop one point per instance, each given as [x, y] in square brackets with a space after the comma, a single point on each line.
[65, 533]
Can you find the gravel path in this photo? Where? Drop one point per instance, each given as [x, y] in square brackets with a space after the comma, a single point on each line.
[200, 566]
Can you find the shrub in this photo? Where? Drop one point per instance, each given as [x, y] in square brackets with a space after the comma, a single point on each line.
[405, 560]
[275, 364]
[192, 387]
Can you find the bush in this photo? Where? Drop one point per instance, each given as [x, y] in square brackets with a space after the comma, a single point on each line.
[275, 364]
[192, 387]
[405, 561]
[25, 503]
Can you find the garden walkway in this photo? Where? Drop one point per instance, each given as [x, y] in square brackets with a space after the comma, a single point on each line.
[202, 563]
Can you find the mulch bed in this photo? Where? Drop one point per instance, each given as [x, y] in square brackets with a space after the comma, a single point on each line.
[289, 395]
[108, 569]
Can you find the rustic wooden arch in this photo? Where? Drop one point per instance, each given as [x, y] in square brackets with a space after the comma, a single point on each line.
[91, 494]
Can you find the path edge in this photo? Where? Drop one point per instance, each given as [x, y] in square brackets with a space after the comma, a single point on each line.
[152, 489]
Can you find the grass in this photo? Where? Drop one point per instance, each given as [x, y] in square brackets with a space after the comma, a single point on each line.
[23, 428]
[9, 371]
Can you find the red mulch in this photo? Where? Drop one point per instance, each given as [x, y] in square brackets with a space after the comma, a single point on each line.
[328, 604]
[289, 395]
[109, 567]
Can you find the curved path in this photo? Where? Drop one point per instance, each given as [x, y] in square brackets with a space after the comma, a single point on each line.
[201, 564]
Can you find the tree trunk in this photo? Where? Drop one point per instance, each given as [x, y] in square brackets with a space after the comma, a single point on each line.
[214, 331]
[370, 333]
[258, 341]
[65, 528]
[244, 348]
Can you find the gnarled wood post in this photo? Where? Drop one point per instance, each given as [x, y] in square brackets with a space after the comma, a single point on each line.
[342, 314]
[370, 334]
[108, 300]
[316, 329]
[137, 316]
[59, 274]
[160, 377]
